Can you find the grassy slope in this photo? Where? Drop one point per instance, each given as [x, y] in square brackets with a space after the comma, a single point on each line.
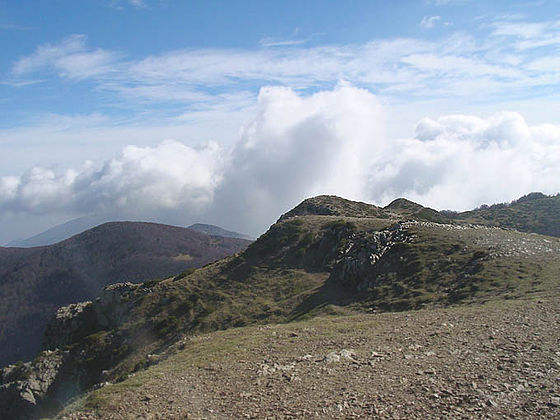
[287, 275]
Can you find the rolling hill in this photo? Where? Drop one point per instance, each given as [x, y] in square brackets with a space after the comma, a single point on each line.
[401, 297]
[534, 212]
[34, 282]
[76, 226]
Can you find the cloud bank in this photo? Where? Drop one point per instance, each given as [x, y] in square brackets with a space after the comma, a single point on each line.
[295, 146]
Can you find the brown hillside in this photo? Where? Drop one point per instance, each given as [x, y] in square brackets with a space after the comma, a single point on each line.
[34, 282]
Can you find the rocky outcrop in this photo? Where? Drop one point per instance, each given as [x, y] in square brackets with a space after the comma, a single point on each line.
[355, 263]
[30, 389]
[24, 388]
[67, 323]
[74, 322]
[113, 303]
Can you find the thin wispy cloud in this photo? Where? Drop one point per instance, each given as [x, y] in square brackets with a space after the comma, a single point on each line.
[445, 2]
[273, 42]
[13, 27]
[137, 3]
[429, 22]
[529, 35]
[69, 58]
[388, 66]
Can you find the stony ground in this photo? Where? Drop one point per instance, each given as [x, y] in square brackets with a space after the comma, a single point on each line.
[498, 360]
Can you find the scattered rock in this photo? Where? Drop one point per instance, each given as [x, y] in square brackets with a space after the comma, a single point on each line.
[332, 357]
[491, 403]
[348, 354]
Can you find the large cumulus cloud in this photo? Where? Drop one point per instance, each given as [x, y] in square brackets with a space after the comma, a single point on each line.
[300, 146]
[170, 175]
[297, 146]
[461, 161]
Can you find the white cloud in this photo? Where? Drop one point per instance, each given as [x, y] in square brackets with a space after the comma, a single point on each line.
[69, 58]
[528, 35]
[144, 179]
[519, 29]
[13, 27]
[272, 42]
[460, 65]
[429, 22]
[120, 4]
[460, 161]
[296, 146]
[445, 2]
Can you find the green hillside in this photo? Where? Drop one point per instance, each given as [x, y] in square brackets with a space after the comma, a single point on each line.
[534, 212]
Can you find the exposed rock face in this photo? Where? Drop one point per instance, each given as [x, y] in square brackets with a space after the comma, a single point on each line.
[66, 323]
[24, 388]
[79, 320]
[112, 305]
[53, 378]
[355, 263]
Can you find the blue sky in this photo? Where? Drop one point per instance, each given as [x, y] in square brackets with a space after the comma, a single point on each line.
[80, 81]
[115, 35]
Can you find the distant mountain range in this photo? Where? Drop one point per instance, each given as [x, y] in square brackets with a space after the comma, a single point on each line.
[73, 227]
[34, 282]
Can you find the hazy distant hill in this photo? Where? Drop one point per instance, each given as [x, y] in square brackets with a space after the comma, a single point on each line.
[218, 231]
[60, 232]
[34, 282]
[74, 227]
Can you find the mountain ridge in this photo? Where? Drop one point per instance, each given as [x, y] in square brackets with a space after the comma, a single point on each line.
[328, 257]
